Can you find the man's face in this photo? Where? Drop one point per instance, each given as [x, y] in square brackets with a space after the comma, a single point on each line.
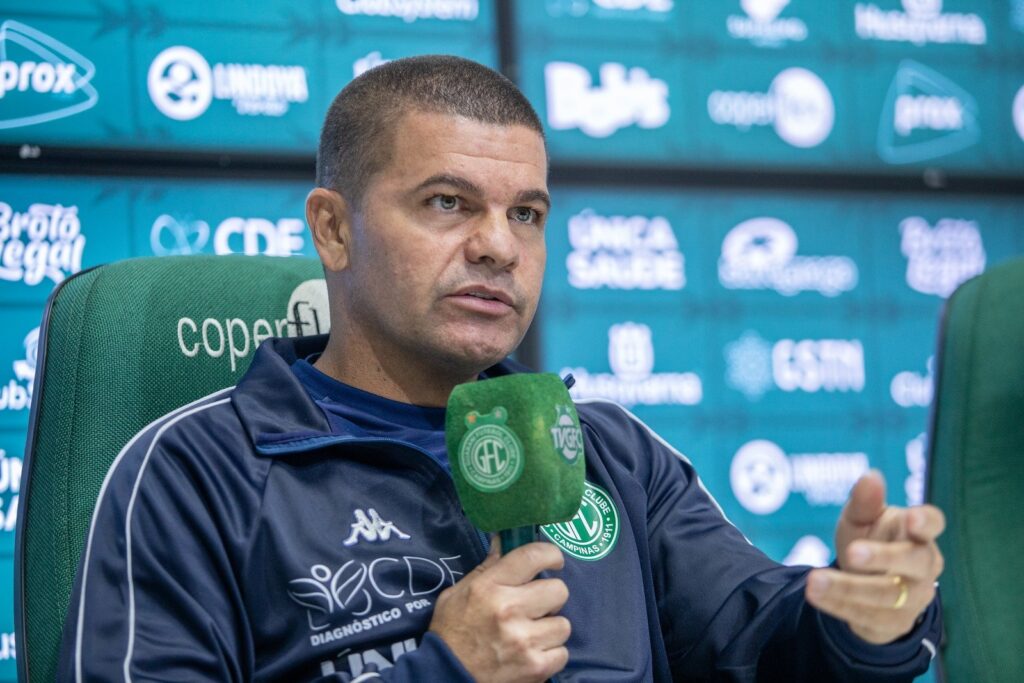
[446, 253]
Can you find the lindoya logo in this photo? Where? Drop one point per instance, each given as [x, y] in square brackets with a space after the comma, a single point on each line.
[625, 97]
[178, 234]
[41, 78]
[46, 241]
[234, 339]
[182, 85]
[798, 105]
[763, 476]
[17, 393]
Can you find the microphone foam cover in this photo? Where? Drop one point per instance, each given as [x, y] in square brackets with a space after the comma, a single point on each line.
[516, 450]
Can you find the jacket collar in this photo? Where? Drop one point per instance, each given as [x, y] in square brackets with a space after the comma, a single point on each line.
[277, 413]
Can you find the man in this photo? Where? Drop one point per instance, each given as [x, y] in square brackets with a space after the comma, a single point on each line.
[304, 523]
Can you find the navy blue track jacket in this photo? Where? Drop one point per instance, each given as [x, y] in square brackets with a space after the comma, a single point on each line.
[239, 539]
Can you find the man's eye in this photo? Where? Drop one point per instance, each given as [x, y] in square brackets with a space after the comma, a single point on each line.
[525, 214]
[445, 202]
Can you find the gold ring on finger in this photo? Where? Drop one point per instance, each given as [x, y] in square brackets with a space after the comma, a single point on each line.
[904, 592]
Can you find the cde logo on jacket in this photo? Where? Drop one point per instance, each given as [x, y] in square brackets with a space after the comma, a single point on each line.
[234, 339]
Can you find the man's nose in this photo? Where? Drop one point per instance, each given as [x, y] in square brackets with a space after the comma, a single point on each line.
[492, 242]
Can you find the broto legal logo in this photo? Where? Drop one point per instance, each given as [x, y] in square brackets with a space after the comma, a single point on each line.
[41, 78]
[633, 380]
[921, 22]
[763, 476]
[182, 85]
[625, 97]
[762, 25]
[623, 252]
[760, 253]
[46, 241]
[798, 105]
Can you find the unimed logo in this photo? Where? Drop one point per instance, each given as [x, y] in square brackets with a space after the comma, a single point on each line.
[41, 78]
[624, 97]
[798, 105]
[633, 379]
[173, 234]
[182, 85]
[762, 25]
[623, 252]
[921, 22]
[234, 339]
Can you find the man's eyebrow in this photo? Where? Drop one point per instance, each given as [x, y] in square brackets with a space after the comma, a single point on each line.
[470, 187]
[534, 196]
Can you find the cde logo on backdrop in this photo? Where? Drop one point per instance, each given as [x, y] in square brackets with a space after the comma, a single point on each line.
[921, 22]
[41, 78]
[173, 235]
[633, 379]
[624, 97]
[925, 116]
[182, 85]
[763, 476]
[762, 25]
[798, 105]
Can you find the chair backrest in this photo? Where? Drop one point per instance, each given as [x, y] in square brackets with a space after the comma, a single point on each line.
[976, 475]
[121, 345]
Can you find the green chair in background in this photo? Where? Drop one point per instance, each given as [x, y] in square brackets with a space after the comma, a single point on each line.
[121, 345]
[976, 475]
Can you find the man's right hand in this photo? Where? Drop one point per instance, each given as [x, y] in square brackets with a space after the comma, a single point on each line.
[499, 619]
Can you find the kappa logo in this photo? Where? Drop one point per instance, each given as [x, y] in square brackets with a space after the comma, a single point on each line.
[798, 105]
[1018, 112]
[373, 529]
[171, 234]
[921, 22]
[412, 10]
[942, 257]
[763, 476]
[762, 25]
[41, 78]
[625, 97]
[17, 393]
[925, 116]
[760, 253]
[624, 252]
[566, 435]
[46, 241]
[490, 455]
[593, 532]
[182, 85]
[633, 380]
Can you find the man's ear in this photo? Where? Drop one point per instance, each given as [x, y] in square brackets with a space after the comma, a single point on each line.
[330, 221]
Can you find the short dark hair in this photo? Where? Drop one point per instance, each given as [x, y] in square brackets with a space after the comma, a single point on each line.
[355, 142]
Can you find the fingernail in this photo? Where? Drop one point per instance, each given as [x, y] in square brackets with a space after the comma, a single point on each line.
[818, 584]
[860, 555]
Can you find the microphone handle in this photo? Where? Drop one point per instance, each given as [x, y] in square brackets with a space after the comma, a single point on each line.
[513, 538]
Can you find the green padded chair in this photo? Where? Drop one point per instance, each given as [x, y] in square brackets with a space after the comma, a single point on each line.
[976, 475]
[120, 346]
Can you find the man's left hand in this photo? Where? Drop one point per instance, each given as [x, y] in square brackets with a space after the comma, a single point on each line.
[888, 563]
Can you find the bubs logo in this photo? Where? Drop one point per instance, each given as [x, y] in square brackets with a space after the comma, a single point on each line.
[490, 455]
[925, 116]
[798, 105]
[41, 78]
[624, 252]
[633, 380]
[182, 85]
[762, 25]
[17, 393]
[921, 22]
[942, 257]
[174, 234]
[625, 97]
[763, 476]
[760, 253]
[594, 530]
[46, 241]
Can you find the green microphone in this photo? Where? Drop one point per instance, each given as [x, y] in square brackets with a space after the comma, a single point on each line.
[516, 453]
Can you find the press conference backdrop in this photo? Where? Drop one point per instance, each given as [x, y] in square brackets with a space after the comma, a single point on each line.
[781, 338]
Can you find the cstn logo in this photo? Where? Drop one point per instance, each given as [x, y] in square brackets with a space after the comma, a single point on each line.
[625, 97]
[760, 253]
[633, 380]
[624, 252]
[182, 85]
[41, 78]
[763, 476]
[940, 258]
[798, 105]
[925, 116]
[921, 22]
[762, 25]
